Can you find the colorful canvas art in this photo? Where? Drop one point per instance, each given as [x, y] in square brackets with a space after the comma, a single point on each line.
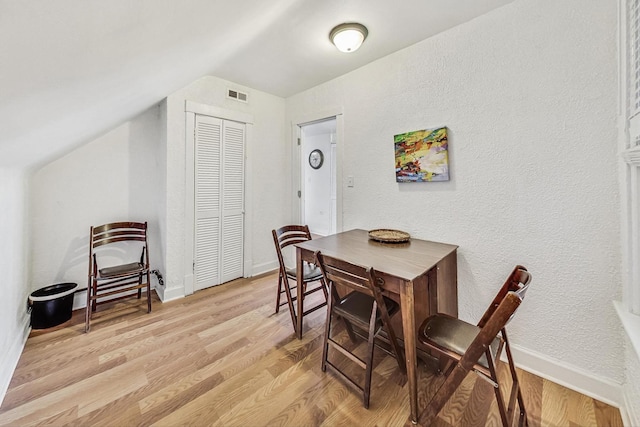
[422, 155]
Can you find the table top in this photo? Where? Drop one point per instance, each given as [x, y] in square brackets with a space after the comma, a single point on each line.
[406, 261]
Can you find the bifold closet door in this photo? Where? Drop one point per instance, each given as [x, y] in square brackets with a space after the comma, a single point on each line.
[219, 201]
[233, 136]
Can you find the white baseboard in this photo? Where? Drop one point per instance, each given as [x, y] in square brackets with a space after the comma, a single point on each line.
[248, 263]
[629, 418]
[79, 300]
[9, 359]
[569, 376]
[264, 267]
[171, 294]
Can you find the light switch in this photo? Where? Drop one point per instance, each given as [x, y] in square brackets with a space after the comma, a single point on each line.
[349, 181]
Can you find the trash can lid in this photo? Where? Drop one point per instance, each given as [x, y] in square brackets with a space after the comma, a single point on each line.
[58, 290]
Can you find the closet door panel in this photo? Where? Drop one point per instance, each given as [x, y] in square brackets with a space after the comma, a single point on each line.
[232, 200]
[208, 203]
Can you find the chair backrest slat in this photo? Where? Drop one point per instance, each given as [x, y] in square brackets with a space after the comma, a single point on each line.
[290, 235]
[354, 277]
[118, 225]
[287, 236]
[114, 239]
[118, 232]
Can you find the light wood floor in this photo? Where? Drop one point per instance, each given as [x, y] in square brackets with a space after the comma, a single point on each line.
[222, 357]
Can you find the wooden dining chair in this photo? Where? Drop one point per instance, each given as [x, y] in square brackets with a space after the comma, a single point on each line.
[476, 348]
[283, 238]
[363, 306]
[109, 284]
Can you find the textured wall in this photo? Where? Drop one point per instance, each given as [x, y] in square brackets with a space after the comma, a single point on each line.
[528, 93]
[269, 156]
[115, 177]
[13, 262]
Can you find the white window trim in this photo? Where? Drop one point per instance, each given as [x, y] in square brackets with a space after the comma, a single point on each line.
[631, 324]
[630, 205]
[629, 166]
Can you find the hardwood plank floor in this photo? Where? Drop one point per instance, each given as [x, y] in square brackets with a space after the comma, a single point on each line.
[223, 357]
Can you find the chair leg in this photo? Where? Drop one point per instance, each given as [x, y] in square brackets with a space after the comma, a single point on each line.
[334, 294]
[87, 310]
[279, 293]
[140, 283]
[402, 362]
[366, 392]
[292, 310]
[349, 328]
[94, 304]
[148, 293]
[516, 383]
[399, 353]
[496, 388]
[445, 365]
[327, 331]
[324, 289]
[501, 407]
[442, 395]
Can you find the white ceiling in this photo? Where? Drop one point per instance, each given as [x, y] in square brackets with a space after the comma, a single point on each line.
[71, 70]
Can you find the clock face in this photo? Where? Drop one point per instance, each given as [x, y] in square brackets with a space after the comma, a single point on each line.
[316, 158]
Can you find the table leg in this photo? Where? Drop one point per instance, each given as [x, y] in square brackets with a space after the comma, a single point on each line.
[409, 332]
[299, 292]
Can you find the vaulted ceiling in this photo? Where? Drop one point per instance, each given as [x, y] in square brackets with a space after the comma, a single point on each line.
[71, 70]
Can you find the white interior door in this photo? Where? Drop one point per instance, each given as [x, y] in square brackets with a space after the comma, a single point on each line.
[318, 183]
[219, 201]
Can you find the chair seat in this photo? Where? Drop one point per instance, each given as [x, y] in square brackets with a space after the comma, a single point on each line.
[310, 273]
[121, 270]
[454, 334]
[357, 306]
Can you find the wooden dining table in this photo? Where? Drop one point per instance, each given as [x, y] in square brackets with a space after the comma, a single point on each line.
[420, 273]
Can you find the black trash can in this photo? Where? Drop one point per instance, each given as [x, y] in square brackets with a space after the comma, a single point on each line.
[51, 305]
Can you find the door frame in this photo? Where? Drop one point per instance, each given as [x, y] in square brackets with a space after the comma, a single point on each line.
[296, 161]
[191, 109]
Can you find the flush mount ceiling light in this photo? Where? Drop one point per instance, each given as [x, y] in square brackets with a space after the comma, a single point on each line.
[348, 37]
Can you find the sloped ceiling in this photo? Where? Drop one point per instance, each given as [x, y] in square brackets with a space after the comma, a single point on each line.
[71, 70]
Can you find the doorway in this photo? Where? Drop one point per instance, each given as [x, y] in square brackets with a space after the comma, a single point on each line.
[318, 159]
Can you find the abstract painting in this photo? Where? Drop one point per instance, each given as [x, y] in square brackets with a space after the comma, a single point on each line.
[422, 155]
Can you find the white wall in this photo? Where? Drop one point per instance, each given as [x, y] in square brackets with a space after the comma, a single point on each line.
[147, 180]
[136, 171]
[115, 177]
[268, 160]
[528, 93]
[13, 269]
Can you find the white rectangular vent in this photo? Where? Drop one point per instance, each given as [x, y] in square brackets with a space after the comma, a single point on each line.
[237, 95]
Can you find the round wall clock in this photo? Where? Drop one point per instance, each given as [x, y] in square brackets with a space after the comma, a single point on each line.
[316, 158]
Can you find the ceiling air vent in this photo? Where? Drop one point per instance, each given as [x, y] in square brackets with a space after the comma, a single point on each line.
[238, 96]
